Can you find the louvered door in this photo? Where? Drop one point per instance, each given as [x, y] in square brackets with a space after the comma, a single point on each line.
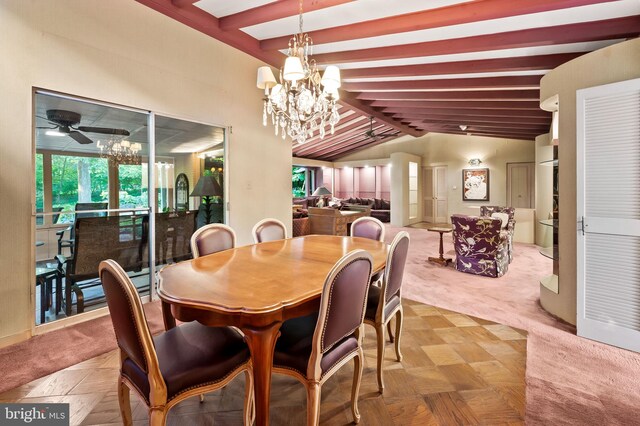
[608, 207]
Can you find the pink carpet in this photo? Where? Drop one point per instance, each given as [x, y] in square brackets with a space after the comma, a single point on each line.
[570, 380]
[44, 354]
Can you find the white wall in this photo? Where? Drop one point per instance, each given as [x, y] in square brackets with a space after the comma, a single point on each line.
[123, 52]
[454, 151]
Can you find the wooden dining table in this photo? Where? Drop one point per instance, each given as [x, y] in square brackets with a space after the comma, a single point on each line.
[256, 288]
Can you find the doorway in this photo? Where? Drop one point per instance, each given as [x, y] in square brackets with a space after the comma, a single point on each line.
[436, 206]
[521, 185]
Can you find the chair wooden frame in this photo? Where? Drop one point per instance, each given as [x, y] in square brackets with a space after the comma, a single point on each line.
[196, 236]
[370, 219]
[254, 231]
[158, 405]
[314, 378]
[381, 321]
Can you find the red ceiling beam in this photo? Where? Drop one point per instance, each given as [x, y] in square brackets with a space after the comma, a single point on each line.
[202, 21]
[480, 95]
[531, 105]
[335, 143]
[524, 63]
[476, 112]
[183, 3]
[475, 119]
[433, 18]
[358, 145]
[333, 140]
[340, 130]
[560, 34]
[424, 124]
[271, 12]
[475, 129]
[447, 83]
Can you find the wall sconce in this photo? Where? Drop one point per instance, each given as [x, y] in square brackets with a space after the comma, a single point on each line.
[475, 162]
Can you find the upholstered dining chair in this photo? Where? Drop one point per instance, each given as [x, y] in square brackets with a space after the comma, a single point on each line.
[368, 227]
[212, 239]
[313, 348]
[373, 229]
[269, 230]
[384, 302]
[163, 370]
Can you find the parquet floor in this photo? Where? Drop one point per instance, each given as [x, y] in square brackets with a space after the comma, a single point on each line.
[457, 370]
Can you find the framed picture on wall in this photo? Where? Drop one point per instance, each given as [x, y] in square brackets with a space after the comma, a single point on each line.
[475, 184]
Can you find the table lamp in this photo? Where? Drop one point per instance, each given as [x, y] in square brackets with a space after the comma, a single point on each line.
[321, 192]
[207, 187]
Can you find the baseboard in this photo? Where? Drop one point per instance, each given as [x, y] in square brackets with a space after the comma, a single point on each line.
[15, 338]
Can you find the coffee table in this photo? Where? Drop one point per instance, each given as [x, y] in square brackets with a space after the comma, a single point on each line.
[441, 260]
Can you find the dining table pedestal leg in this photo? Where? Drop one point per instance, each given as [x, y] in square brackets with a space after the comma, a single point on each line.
[261, 342]
[167, 316]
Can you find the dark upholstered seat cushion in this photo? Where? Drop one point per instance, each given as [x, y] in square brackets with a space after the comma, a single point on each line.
[293, 347]
[372, 303]
[190, 355]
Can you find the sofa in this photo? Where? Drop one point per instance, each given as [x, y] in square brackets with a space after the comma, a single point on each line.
[481, 247]
[380, 209]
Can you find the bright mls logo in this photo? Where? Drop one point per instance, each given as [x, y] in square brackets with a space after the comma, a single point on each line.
[34, 414]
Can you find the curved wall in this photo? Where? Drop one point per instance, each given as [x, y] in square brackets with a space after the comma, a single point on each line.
[614, 63]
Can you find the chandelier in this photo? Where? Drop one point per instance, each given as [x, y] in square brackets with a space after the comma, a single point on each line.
[303, 101]
[120, 151]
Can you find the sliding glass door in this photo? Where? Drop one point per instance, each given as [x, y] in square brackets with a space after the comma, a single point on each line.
[115, 183]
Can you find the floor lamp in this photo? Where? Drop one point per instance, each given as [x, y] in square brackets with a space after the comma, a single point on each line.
[207, 187]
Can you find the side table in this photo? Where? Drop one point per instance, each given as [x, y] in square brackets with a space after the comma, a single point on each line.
[441, 260]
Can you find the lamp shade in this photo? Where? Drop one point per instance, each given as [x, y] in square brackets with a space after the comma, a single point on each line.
[266, 79]
[320, 191]
[293, 69]
[331, 77]
[207, 186]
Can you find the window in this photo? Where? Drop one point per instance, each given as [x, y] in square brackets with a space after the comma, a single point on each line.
[78, 180]
[133, 189]
[39, 189]
[299, 182]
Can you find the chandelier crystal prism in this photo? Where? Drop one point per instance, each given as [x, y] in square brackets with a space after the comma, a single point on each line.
[120, 151]
[303, 101]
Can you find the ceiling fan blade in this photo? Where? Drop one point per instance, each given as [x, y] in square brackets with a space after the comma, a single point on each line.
[49, 128]
[104, 130]
[79, 137]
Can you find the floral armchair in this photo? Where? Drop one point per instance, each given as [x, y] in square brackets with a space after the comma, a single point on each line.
[481, 247]
[510, 226]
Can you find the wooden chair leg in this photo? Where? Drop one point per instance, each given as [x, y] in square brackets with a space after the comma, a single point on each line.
[157, 417]
[125, 403]
[389, 330]
[355, 388]
[313, 403]
[249, 406]
[399, 316]
[381, 342]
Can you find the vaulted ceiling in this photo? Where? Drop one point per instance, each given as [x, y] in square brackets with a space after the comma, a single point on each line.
[419, 66]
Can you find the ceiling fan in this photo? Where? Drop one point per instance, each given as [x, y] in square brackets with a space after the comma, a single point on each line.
[379, 136]
[65, 121]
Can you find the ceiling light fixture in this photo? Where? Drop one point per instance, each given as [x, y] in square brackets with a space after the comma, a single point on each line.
[463, 127]
[303, 101]
[475, 162]
[120, 151]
